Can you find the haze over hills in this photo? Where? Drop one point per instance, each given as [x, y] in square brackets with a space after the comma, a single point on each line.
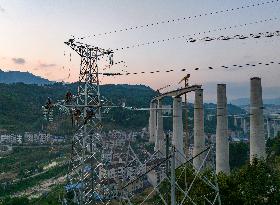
[238, 93]
[23, 77]
[246, 101]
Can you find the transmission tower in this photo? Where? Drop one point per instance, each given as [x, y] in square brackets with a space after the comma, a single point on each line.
[85, 111]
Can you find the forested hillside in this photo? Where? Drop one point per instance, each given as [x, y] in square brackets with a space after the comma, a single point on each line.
[20, 104]
[20, 107]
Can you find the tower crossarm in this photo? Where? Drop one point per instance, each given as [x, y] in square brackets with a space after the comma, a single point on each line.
[88, 51]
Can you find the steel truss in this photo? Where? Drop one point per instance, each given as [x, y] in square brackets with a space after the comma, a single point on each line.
[85, 108]
[168, 196]
[83, 169]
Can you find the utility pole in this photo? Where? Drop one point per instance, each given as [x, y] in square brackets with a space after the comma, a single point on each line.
[167, 162]
[187, 140]
[173, 177]
[167, 154]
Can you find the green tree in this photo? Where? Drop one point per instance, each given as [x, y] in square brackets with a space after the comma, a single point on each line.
[256, 183]
[273, 146]
[238, 154]
[15, 201]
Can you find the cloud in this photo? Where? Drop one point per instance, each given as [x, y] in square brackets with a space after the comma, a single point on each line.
[45, 65]
[19, 61]
[2, 9]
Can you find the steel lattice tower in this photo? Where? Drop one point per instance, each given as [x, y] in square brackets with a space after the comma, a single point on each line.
[82, 173]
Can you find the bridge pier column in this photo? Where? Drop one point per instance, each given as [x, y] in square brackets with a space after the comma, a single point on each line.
[244, 125]
[152, 122]
[177, 138]
[257, 138]
[199, 139]
[159, 143]
[222, 144]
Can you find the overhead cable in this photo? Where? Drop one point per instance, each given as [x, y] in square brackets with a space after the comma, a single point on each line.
[181, 19]
[192, 40]
[227, 67]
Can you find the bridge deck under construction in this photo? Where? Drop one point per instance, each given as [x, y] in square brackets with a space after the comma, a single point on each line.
[178, 92]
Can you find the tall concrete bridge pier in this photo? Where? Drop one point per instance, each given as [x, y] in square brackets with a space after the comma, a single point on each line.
[222, 143]
[159, 142]
[152, 122]
[199, 139]
[177, 139]
[257, 137]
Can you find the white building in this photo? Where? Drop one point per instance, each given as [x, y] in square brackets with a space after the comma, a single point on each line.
[114, 171]
[28, 137]
[5, 138]
[37, 138]
[10, 139]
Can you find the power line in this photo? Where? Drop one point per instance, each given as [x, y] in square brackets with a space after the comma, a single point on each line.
[182, 19]
[191, 40]
[235, 66]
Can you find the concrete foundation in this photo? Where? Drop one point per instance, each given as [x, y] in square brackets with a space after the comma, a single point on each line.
[177, 139]
[257, 137]
[222, 144]
[152, 122]
[199, 139]
[159, 143]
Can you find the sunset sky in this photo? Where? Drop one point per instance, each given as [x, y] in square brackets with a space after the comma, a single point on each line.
[32, 33]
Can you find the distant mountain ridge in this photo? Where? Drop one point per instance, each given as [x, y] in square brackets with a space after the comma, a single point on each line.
[246, 101]
[9, 77]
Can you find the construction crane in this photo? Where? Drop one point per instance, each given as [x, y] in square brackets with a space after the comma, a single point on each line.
[162, 88]
[185, 79]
